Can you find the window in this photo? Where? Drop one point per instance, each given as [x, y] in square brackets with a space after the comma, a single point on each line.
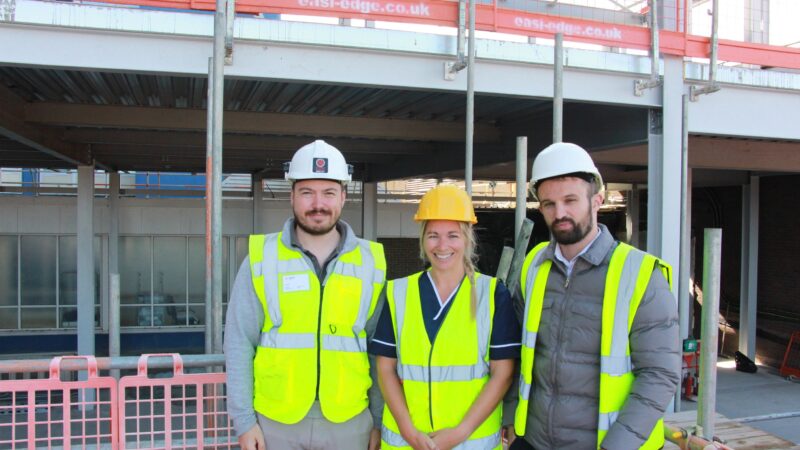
[162, 280]
[38, 281]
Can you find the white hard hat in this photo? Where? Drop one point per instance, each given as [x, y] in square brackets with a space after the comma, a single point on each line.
[562, 158]
[318, 161]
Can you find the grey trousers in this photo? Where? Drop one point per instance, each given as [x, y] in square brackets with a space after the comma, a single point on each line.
[315, 432]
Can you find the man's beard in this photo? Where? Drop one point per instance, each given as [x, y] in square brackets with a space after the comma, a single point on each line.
[574, 235]
[316, 231]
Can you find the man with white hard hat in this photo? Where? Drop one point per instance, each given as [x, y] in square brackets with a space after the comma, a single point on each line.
[295, 338]
[600, 346]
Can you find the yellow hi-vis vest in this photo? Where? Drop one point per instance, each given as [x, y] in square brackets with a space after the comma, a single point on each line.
[441, 380]
[629, 273]
[313, 337]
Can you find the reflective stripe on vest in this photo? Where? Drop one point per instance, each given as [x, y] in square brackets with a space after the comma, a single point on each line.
[270, 267]
[488, 442]
[628, 274]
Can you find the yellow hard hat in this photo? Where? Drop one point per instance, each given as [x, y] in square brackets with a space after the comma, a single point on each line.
[446, 202]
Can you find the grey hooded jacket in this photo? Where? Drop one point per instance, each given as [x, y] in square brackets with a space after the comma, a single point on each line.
[563, 407]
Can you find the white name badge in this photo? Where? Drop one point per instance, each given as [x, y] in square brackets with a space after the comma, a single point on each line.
[295, 283]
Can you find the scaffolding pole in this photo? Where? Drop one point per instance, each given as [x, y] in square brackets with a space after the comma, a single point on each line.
[558, 89]
[113, 321]
[711, 87]
[522, 184]
[470, 100]
[686, 230]
[712, 257]
[220, 31]
[209, 330]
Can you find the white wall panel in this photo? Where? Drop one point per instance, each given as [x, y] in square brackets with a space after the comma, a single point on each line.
[180, 216]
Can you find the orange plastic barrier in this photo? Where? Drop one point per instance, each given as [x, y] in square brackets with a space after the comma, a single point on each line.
[53, 413]
[183, 411]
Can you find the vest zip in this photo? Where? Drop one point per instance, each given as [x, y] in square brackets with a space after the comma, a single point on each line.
[319, 337]
[430, 384]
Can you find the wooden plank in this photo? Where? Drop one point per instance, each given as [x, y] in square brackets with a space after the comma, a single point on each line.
[734, 434]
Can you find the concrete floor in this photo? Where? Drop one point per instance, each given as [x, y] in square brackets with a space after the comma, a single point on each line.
[742, 395]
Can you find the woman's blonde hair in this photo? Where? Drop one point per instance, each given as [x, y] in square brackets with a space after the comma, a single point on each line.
[469, 260]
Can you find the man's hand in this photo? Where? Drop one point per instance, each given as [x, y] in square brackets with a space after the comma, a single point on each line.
[253, 439]
[510, 435]
[447, 438]
[375, 439]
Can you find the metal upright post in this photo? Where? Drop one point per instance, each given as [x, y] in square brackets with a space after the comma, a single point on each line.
[209, 329]
[470, 100]
[712, 257]
[113, 321]
[558, 89]
[686, 231]
[220, 28]
[522, 184]
[85, 260]
[639, 86]
[712, 86]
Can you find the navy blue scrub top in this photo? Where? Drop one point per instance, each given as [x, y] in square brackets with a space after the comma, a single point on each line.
[505, 339]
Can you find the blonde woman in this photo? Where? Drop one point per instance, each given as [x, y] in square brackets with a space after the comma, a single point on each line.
[446, 341]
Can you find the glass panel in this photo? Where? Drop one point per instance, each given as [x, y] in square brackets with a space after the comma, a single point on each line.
[170, 280]
[67, 270]
[199, 312]
[38, 270]
[197, 273]
[68, 317]
[8, 276]
[8, 318]
[134, 267]
[134, 316]
[38, 317]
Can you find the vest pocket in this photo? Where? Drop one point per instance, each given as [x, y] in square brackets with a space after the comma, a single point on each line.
[274, 370]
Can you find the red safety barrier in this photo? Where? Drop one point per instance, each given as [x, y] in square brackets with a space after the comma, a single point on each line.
[182, 411]
[791, 359]
[60, 414]
[491, 17]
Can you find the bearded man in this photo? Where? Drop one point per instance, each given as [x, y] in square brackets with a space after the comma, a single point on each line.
[295, 332]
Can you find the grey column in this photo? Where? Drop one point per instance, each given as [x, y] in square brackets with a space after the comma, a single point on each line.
[369, 211]
[113, 266]
[664, 168]
[258, 198]
[632, 218]
[748, 297]
[113, 222]
[85, 242]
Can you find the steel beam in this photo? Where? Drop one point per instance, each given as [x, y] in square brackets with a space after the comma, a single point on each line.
[14, 126]
[62, 114]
